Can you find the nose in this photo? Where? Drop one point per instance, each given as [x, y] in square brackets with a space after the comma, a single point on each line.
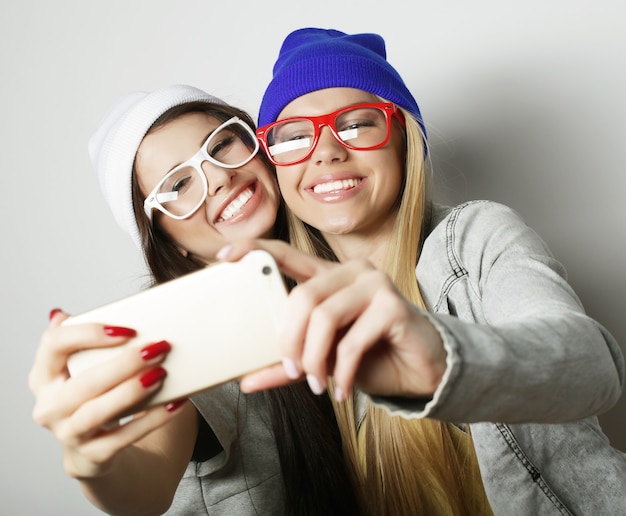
[328, 149]
[217, 177]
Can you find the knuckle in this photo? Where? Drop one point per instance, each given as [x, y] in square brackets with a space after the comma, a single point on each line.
[97, 455]
[323, 316]
[83, 421]
[302, 295]
[100, 455]
[375, 278]
[40, 415]
[47, 338]
[388, 297]
[32, 382]
[349, 349]
[381, 279]
[64, 433]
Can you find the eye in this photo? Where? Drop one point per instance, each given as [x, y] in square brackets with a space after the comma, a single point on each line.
[180, 184]
[355, 123]
[291, 131]
[360, 119]
[222, 145]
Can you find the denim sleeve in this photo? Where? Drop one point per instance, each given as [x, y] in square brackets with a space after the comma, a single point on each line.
[520, 347]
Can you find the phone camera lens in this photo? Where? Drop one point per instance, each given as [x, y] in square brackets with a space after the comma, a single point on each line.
[267, 270]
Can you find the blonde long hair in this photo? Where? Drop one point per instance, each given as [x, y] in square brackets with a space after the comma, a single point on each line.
[399, 465]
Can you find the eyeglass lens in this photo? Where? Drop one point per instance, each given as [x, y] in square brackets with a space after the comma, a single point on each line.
[231, 146]
[184, 188]
[182, 191]
[359, 128]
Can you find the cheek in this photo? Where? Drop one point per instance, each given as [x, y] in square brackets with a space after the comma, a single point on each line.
[270, 183]
[287, 182]
[181, 232]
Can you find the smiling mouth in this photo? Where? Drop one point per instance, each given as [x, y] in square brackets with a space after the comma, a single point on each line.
[336, 186]
[235, 206]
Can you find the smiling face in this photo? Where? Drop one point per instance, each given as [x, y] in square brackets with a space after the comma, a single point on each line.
[338, 190]
[240, 203]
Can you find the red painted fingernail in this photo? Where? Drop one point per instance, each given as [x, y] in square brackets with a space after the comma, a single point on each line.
[153, 376]
[53, 312]
[119, 331]
[173, 405]
[154, 350]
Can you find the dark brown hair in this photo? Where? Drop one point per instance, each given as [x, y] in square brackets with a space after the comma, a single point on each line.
[314, 472]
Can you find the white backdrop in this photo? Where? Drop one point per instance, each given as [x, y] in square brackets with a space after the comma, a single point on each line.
[524, 102]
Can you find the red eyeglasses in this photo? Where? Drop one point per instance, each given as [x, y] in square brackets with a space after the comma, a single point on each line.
[359, 127]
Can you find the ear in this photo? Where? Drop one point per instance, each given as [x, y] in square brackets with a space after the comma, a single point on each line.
[182, 251]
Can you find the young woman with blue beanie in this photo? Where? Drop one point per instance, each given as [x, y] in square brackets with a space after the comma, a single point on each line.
[478, 375]
[223, 453]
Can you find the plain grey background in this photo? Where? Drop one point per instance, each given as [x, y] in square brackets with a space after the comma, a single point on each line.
[524, 102]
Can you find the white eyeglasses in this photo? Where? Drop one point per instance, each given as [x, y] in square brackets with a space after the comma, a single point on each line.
[184, 188]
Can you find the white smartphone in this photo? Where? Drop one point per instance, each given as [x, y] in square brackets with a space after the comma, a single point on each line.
[221, 321]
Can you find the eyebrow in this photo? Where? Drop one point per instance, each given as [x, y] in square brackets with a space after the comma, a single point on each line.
[352, 104]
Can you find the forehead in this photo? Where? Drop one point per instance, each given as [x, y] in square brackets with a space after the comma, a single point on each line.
[169, 145]
[325, 101]
[181, 129]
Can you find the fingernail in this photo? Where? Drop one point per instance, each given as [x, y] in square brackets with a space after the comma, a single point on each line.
[53, 312]
[314, 384]
[339, 394]
[153, 376]
[124, 420]
[291, 369]
[154, 350]
[246, 386]
[224, 252]
[119, 331]
[173, 405]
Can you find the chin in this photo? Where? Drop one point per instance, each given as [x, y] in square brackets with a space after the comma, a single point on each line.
[261, 228]
[336, 227]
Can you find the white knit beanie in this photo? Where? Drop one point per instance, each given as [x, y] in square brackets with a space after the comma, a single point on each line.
[113, 146]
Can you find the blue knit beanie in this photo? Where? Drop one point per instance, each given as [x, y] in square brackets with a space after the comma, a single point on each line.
[312, 59]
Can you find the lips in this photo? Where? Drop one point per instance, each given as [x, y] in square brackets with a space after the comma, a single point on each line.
[336, 186]
[236, 205]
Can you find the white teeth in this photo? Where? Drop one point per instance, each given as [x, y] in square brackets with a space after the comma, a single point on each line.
[334, 186]
[235, 205]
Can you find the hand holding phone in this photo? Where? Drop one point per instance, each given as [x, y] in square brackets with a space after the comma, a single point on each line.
[221, 321]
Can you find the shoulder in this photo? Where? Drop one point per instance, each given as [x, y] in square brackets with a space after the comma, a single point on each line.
[473, 214]
[475, 224]
[473, 236]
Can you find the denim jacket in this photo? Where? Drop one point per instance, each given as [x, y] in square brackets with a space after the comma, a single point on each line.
[526, 368]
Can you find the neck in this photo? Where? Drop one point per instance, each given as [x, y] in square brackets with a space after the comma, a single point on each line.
[371, 245]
